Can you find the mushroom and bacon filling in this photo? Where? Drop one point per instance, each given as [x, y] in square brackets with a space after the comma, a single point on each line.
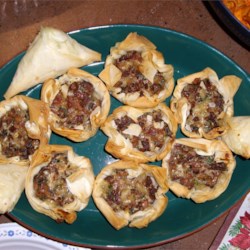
[130, 194]
[75, 108]
[192, 170]
[206, 105]
[14, 137]
[148, 133]
[50, 182]
[132, 79]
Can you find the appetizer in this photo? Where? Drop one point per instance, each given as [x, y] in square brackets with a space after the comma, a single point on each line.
[50, 55]
[11, 186]
[141, 135]
[237, 137]
[128, 193]
[199, 169]
[79, 103]
[135, 73]
[23, 128]
[59, 182]
[201, 103]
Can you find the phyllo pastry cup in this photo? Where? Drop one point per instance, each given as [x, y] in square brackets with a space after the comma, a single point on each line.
[131, 194]
[23, 128]
[59, 182]
[136, 74]
[79, 103]
[199, 169]
[140, 135]
[202, 102]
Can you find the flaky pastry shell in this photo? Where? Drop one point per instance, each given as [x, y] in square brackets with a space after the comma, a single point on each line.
[203, 147]
[50, 55]
[122, 148]
[79, 183]
[12, 178]
[37, 127]
[237, 137]
[226, 86]
[140, 219]
[153, 62]
[78, 133]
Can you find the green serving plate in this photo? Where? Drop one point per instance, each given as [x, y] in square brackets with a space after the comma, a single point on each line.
[182, 216]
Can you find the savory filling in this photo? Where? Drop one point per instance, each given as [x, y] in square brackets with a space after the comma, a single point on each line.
[193, 170]
[13, 134]
[50, 182]
[75, 108]
[129, 194]
[149, 133]
[206, 105]
[132, 79]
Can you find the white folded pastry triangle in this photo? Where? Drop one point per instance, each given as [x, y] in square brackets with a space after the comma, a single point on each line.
[11, 185]
[51, 54]
[237, 137]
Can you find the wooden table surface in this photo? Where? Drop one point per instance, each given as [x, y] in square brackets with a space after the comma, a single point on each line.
[20, 21]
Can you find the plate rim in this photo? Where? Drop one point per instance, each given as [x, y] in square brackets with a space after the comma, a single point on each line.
[21, 233]
[237, 30]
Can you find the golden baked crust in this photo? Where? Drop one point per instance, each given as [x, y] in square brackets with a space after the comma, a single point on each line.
[77, 178]
[215, 151]
[50, 55]
[122, 218]
[237, 137]
[156, 127]
[76, 132]
[151, 64]
[226, 87]
[37, 126]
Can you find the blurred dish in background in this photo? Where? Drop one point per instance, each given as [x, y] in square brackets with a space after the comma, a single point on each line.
[235, 15]
[240, 9]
